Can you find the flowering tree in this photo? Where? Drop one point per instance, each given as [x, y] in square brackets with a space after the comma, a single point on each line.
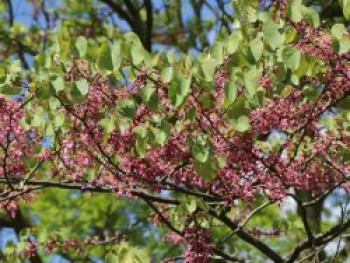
[211, 143]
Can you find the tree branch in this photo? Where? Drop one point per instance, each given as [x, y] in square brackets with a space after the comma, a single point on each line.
[149, 25]
[320, 239]
[262, 247]
[82, 187]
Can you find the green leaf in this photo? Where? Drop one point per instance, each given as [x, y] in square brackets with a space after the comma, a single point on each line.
[256, 48]
[105, 61]
[295, 79]
[207, 100]
[126, 108]
[345, 4]
[54, 103]
[10, 248]
[239, 60]
[131, 37]
[344, 104]
[141, 147]
[59, 119]
[208, 66]
[82, 85]
[207, 170]
[142, 256]
[217, 52]
[167, 74]
[15, 67]
[45, 91]
[107, 124]
[149, 96]
[338, 31]
[221, 160]
[146, 93]
[179, 90]
[5, 80]
[116, 54]
[273, 36]
[191, 114]
[230, 92]
[296, 11]
[329, 122]
[49, 129]
[171, 56]
[291, 34]
[111, 258]
[311, 92]
[200, 147]
[140, 131]
[305, 67]
[43, 235]
[263, 146]
[126, 256]
[58, 83]
[291, 57]
[242, 124]
[251, 81]
[158, 136]
[10, 90]
[42, 60]
[232, 43]
[311, 16]
[81, 46]
[238, 108]
[29, 162]
[137, 53]
[342, 45]
[191, 205]
[141, 140]
[152, 60]
[24, 124]
[39, 117]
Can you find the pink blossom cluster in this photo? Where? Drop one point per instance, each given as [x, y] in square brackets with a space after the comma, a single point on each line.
[265, 82]
[31, 250]
[77, 244]
[15, 142]
[280, 114]
[141, 79]
[173, 238]
[315, 42]
[11, 208]
[273, 232]
[198, 246]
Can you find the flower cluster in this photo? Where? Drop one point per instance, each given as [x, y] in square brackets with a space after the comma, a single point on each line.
[15, 142]
[281, 114]
[265, 232]
[173, 238]
[31, 250]
[198, 246]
